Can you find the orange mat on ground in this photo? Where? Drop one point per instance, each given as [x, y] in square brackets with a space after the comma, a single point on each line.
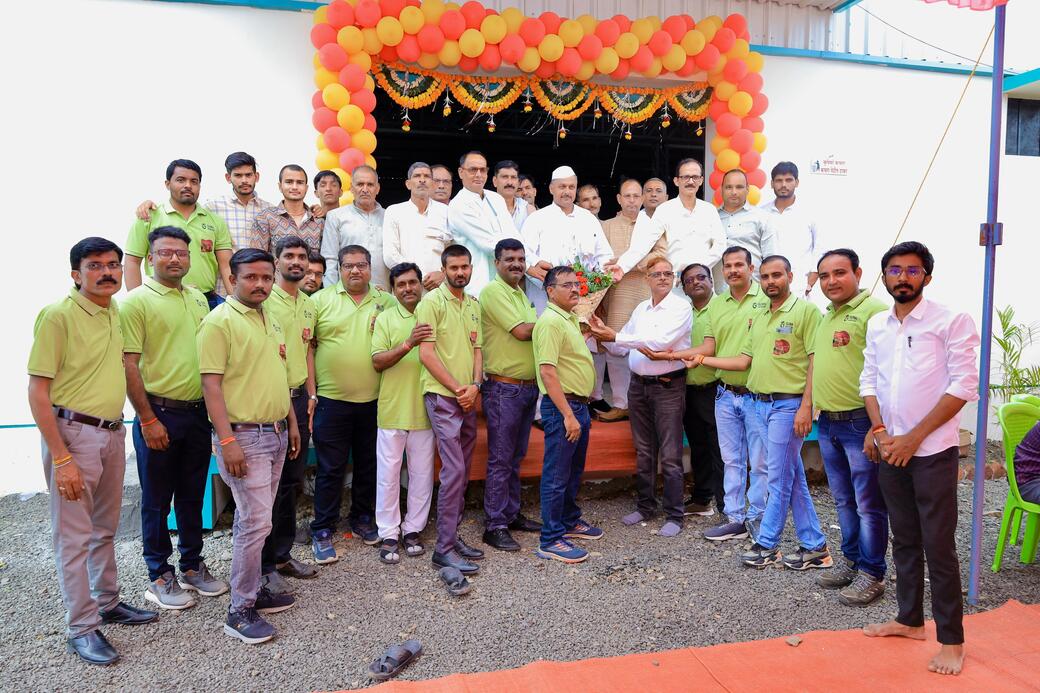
[1003, 654]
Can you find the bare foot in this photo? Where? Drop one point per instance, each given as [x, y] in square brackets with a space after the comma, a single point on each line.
[893, 629]
[948, 661]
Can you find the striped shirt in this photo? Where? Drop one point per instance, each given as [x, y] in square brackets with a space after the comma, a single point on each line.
[275, 223]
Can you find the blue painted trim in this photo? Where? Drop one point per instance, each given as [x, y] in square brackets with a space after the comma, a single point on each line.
[846, 5]
[902, 63]
[288, 5]
[1024, 79]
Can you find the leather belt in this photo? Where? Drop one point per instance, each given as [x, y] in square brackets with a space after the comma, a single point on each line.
[168, 403]
[509, 381]
[295, 392]
[276, 427]
[576, 398]
[736, 389]
[849, 415]
[706, 386]
[775, 396]
[663, 378]
[87, 420]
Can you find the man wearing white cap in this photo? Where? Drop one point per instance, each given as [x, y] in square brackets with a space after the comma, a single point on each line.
[561, 233]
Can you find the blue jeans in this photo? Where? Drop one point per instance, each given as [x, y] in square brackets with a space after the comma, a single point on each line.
[562, 468]
[857, 496]
[214, 299]
[509, 410]
[787, 486]
[740, 439]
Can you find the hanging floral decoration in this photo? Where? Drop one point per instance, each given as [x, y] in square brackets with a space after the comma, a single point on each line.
[486, 96]
[410, 89]
[631, 107]
[691, 104]
[563, 100]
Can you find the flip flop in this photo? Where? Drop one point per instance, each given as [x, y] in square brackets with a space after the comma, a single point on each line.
[455, 581]
[396, 658]
[412, 546]
[388, 552]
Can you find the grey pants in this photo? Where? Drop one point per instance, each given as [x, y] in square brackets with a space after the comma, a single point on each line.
[83, 531]
[655, 411]
[254, 497]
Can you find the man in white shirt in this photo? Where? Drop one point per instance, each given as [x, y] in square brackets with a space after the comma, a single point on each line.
[478, 219]
[442, 183]
[657, 391]
[417, 230]
[360, 223]
[561, 233]
[794, 228]
[919, 370]
[655, 192]
[745, 226]
[507, 184]
[691, 228]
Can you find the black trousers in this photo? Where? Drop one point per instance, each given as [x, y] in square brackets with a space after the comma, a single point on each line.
[701, 432]
[344, 431]
[283, 513]
[922, 511]
[655, 410]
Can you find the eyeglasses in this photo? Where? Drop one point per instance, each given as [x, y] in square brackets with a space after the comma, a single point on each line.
[474, 170]
[665, 275]
[690, 281]
[567, 285]
[167, 253]
[913, 271]
[690, 179]
[351, 266]
[98, 266]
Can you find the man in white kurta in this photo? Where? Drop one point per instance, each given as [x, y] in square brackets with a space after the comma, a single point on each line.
[417, 230]
[359, 223]
[478, 219]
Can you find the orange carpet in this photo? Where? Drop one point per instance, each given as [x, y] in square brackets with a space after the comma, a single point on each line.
[1003, 654]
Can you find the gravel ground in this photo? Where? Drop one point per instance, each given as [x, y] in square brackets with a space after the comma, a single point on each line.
[637, 593]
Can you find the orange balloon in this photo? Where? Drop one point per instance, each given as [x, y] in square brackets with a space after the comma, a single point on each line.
[740, 103]
[365, 141]
[727, 160]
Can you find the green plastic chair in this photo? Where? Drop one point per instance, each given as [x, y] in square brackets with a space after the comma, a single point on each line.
[1016, 419]
[1028, 399]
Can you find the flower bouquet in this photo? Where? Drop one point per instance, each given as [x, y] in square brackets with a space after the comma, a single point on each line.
[594, 283]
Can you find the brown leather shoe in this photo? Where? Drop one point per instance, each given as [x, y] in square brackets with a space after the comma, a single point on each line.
[613, 415]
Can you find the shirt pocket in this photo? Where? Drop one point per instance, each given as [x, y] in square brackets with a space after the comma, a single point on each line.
[923, 353]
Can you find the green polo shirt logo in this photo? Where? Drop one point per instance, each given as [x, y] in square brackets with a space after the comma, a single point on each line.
[837, 351]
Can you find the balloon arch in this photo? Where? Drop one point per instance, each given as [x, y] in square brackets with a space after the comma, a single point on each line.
[417, 51]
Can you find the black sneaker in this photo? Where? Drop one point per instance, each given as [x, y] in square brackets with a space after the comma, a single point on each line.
[760, 557]
[600, 405]
[363, 529]
[269, 603]
[248, 626]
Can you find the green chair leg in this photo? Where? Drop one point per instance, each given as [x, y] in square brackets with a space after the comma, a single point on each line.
[1029, 544]
[1005, 525]
[1016, 524]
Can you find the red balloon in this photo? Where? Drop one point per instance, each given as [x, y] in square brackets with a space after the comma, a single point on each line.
[750, 160]
[413, 3]
[489, 11]
[332, 57]
[621, 72]
[336, 138]
[323, 118]
[340, 14]
[546, 69]
[715, 179]
[350, 159]
[717, 199]
[660, 43]
[642, 60]
[751, 83]
[708, 57]
[473, 13]
[590, 47]
[551, 21]
[367, 13]
[741, 141]
[317, 101]
[388, 54]
[757, 178]
[717, 109]
[736, 23]
[691, 23]
[491, 59]
[322, 34]
[726, 124]
[512, 48]
[688, 69]
[735, 70]
[569, 63]
[430, 38]
[370, 122]
[532, 31]
[408, 50]
[675, 26]
[468, 64]
[391, 8]
[759, 104]
[753, 123]
[608, 31]
[452, 24]
[724, 39]
[623, 22]
[364, 99]
[352, 77]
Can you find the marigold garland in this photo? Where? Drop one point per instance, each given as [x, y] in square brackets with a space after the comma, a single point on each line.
[562, 100]
[630, 107]
[408, 88]
[691, 104]
[487, 96]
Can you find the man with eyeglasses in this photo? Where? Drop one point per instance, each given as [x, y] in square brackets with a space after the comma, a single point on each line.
[76, 393]
[359, 223]
[314, 277]
[345, 411]
[656, 393]
[478, 219]
[744, 225]
[507, 184]
[919, 371]
[442, 183]
[690, 228]
[416, 230]
[171, 432]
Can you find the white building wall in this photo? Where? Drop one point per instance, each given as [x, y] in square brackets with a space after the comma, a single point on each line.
[106, 97]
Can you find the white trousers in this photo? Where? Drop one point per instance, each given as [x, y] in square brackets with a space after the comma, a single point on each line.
[620, 377]
[392, 445]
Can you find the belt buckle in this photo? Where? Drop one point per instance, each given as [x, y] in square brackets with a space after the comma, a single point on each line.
[277, 426]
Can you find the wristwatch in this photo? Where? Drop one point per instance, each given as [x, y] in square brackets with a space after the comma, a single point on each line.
[313, 398]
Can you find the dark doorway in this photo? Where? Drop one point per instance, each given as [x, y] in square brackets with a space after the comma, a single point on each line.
[595, 148]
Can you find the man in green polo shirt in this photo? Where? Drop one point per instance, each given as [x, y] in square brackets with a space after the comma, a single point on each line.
[348, 388]
[171, 430]
[76, 394]
[452, 365]
[246, 388]
[566, 378]
[403, 424]
[295, 312]
[843, 424]
[509, 392]
[210, 240]
[777, 352]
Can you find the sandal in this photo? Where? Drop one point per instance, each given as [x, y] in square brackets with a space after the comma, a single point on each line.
[455, 581]
[396, 658]
[388, 552]
[412, 546]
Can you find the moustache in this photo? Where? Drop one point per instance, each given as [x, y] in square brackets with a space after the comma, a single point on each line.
[903, 286]
[107, 280]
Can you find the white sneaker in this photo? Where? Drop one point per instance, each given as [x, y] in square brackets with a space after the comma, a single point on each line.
[166, 593]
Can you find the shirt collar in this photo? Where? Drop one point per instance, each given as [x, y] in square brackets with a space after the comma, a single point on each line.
[416, 207]
[788, 304]
[402, 311]
[341, 289]
[84, 302]
[498, 278]
[282, 211]
[852, 304]
[199, 210]
[755, 290]
[283, 294]
[360, 212]
[920, 311]
[746, 208]
[155, 286]
[446, 292]
[560, 311]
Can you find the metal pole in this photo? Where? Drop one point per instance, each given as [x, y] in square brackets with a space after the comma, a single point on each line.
[990, 237]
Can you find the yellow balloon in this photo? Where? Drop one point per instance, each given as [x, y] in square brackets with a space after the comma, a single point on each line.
[719, 144]
[588, 69]
[471, 43]
[429, 61]
[588, 23]
[530, 60]
[412, 19]
[350, 39]
[347, 199]
[551, 48]
[754, 195]
[754, 61]
[449, 54]
[370, 84]
[326, 159]
[362, 60]
[353, 3]
[335, 96]
[720, 65]
[452, 6]
[740, 103]
[674, 59]
[320, 141]
[626, 45]
[715, 20]
[351, 118]
[513, 18]
[323, 78]
[432, 10]
[344, 177]
[372, 43]
[643, 29]
[370, 160]
[707, 28]
[760, 142]
[607, 61]
[365, 140]
[655, 22]
[317, 60]
[727, 160]
[390, 31]
[493, 28]
[654, 70]
[740, 49]
[321, 14]
[571, 33]
[693, 42]
[724, 90]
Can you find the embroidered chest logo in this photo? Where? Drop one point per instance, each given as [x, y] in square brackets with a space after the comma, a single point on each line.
[306, 334]
[851, 318]
[785, 327]
[207, 245]
[781, 347]
[841, 338]
[281, 350]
